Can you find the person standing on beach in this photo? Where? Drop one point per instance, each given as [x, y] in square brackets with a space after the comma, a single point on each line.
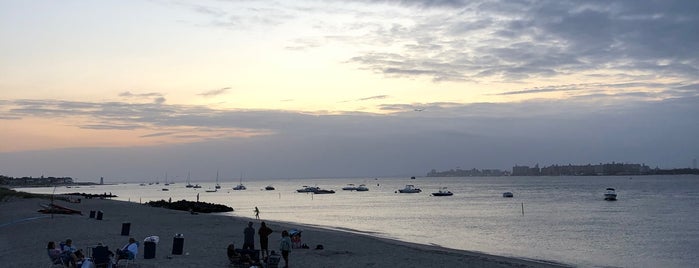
[285, 247]
[264, 233]
[249, 237]
[257, 213]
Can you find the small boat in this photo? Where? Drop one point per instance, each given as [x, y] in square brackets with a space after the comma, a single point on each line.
[323, 191]
[189, 183]
[218, 186]
[349, 187]
[165, 189]
[362, 188]
[308, 189]
[197, 186]
[443, 192]
[508, 194]
[269, 188]
[142, 184]
[240, 187]
[211, 190]
[56, 209]
[409, 189]
[610, 195]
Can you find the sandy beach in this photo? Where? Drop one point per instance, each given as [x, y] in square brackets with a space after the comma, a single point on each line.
[24, 233]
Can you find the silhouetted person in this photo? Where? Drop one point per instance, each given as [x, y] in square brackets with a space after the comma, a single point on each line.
[264, 233]
[249, 237]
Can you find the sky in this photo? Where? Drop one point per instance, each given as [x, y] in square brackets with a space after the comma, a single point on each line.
[131, 90]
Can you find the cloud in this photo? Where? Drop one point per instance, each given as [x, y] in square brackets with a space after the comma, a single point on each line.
[215, 92]
[519, 40]
[156, 98]
[598, 128]
[377, 97]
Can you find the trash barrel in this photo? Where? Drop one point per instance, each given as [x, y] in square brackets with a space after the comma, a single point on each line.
[178, 244]
[99, 215]
[148, 250]
[125, 228]
[92, 214]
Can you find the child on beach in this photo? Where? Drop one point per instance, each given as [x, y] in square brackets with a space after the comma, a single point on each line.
[285, 247]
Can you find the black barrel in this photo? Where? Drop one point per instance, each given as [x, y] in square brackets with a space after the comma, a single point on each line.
[99, 215]
[148, 250]
[125, 228]
[92, 214]
[177, 244]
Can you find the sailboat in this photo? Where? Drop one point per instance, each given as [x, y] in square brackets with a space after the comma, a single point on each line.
[240, 186]
[166, 184]
[189, 184]
[215, 187]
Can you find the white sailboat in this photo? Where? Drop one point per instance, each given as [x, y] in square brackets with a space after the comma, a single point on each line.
[240, 186]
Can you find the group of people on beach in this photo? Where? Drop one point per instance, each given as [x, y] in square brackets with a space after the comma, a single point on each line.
[243, 255]
[70, 256]
[64, 253]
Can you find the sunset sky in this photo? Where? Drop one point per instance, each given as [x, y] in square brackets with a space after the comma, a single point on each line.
[129, 90]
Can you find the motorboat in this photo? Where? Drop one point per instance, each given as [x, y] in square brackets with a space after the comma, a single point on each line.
[443, 192]
[197, 186]
[349, 187]
[508, 194]
[362, 188]
[610, 195]
[409, 189]
[269, 188]
[308, 189]
[323, 191]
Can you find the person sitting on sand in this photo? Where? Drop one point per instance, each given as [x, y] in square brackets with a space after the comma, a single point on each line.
[68, 246]
[128, 251]
[58, 256]
[233, 255]
[273, 259]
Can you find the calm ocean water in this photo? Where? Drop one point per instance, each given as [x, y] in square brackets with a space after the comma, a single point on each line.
[653, 224]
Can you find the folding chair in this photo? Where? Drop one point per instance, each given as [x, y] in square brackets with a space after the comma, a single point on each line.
[101, 256]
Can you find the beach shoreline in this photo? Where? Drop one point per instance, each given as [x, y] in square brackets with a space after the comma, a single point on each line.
[24, 234]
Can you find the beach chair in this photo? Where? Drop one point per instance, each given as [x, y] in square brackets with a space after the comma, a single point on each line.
[101, 257]
[130, 259]
[273, 260]
[57, 262]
